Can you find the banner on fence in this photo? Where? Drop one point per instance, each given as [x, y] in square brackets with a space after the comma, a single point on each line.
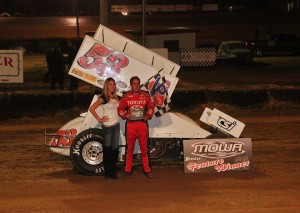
[11, 66]
[195, 57]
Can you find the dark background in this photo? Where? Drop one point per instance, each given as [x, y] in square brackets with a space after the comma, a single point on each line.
[91, 7]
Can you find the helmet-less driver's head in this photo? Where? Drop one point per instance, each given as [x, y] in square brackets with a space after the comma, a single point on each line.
[135, 84]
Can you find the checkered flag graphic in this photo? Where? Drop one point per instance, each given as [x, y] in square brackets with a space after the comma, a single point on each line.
[156, 86]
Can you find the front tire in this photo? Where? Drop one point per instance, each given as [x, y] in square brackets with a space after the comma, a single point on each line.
[86, 152]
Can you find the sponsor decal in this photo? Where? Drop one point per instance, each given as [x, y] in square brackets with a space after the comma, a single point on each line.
[101, 82]
[157, 90]
[84, 75]
[217, 155]
[158, 86]
[90, 78]
[168, 84]
[136, 102]
[77, 72]
[222, 122]
[63, 138]
[225, 124]
[121, 84]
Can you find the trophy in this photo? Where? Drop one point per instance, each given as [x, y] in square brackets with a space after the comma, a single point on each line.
[137, 114]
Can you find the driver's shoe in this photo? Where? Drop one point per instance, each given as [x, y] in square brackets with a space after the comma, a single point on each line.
[149, 175]
[126, 175]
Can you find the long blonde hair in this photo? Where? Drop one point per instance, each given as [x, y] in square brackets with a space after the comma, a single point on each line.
[105, 89]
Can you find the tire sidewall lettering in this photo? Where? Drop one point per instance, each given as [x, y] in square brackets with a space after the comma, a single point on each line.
[76, 152]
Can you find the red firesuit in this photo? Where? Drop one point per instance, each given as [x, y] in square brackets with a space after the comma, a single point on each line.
[129, 102]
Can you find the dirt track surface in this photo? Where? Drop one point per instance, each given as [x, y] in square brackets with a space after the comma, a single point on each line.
[265, 72]
[33, 179]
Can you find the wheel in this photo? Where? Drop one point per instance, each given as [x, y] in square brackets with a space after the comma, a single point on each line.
[86, 152]
[258, 52]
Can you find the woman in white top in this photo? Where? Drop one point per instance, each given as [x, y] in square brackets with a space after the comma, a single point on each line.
[110, 125]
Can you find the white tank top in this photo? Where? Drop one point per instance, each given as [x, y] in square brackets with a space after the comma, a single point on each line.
[111, 110]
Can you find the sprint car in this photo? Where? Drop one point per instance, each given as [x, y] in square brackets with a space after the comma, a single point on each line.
[81, 138]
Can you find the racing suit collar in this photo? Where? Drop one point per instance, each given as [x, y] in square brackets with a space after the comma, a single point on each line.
[136, 92]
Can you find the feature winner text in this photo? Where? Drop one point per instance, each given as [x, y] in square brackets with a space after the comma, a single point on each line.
[218, 165]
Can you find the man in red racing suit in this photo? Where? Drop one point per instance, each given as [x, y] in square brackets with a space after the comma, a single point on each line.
[137, 107]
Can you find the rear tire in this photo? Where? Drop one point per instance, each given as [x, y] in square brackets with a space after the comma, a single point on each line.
[86, 152]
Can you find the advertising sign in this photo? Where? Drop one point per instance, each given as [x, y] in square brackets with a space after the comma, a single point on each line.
[194, 57]
[11, 66]
[217, 155]
[96, 61]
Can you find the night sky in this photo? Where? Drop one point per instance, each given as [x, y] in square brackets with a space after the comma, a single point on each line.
[48, 7]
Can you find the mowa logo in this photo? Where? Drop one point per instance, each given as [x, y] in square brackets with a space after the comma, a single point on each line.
[218, 149]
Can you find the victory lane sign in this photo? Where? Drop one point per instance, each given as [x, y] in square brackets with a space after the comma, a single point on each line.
[217, 155]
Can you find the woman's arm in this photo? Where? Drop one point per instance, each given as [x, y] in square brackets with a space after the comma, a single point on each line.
[93, 110]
